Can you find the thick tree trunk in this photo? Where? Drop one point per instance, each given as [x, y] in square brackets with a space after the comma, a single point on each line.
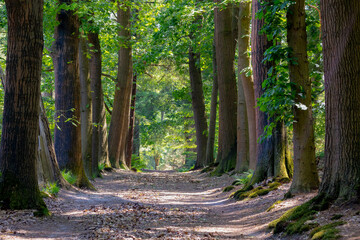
[67, 100]
[18, 184]
[243, 152]
[247, 82]
[305, 174]
[341, 38]
[198, 105]
[136, 142]
[85, 108]
[97, 100]
[264, 149]
[283, 164]
[103, 137]
[130, 137]
[120, 116]
[213, 110]
[225, 53]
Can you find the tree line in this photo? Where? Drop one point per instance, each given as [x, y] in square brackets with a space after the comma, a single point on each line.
[265, 62]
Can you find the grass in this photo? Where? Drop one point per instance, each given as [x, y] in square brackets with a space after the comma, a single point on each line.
[68, 176]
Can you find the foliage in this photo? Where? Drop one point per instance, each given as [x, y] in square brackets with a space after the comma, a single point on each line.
[69, 177]
[50, 189]
[136, 163]
[244, 178]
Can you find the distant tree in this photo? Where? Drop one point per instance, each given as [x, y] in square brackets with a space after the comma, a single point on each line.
[18, 182]
[341, 38]
[120, 116]
[67, 89]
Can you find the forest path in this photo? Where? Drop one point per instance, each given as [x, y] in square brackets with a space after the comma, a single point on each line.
[148, 205]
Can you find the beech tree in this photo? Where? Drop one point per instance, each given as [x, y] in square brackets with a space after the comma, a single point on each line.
[67, 90]
[340, 31]
[305, 173]
[120, 116]
[225, 53]
[19, 184]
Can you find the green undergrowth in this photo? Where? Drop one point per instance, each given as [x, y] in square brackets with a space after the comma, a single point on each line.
[327, 231]
[243, 179]
[69, 177]
[298, 219]
[50, 190]
[228, 188]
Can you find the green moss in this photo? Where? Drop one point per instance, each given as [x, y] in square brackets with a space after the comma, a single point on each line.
[273, 206]
[282, 180]
[274, 185]
[336, 216]
[293, 221]
[327, 231]
[228, 188]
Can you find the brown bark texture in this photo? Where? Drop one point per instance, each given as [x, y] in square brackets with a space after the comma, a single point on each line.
[247, 82]
[341, 48]
[305, 173]
[67, 91]
[225, 53]
[130, 137]
[120, 116]
[97, 99]
[198, 106]
[213, 112]
[243, 150]
[85, 107]
[19, 184]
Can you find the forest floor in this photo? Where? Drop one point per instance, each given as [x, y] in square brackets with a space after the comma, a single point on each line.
[161, 205]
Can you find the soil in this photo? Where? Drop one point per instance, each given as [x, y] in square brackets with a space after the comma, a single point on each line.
[163, 205]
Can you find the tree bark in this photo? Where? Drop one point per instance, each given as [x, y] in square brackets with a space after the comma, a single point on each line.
[130, 137]
[97, 99]
[341, 38]
[18, 184]
[198, 105]
[243, 151]
[213, 110]
[305, 173]
[67, 100]
[225, 54]
[120, 116]
[264, 149]
[85, 108]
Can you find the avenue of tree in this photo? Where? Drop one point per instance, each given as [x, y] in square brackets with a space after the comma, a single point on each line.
[223, 86]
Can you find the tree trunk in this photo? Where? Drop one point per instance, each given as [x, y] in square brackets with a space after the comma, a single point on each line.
[120, 116]
[67, 100]
[213, 110]
[85, 107]
[305, 174]
[247, 81]
[243, 154]
[96, 92]
[225, 53]
[264, 149]
[283, 164]
[198, 105]
[18, 184]
[136, 142]
[103, 137]
[341, 38]
[47, 166]
[130, 137]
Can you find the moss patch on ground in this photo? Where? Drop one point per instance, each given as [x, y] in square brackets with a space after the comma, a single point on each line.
[273, 206]
[250, 192]
[296, 220]
[327, 231]
[228, 188]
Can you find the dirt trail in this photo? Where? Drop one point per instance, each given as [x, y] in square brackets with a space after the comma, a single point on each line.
[149, 205]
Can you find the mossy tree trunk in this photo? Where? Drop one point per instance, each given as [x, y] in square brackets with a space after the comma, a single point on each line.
[341, 38]
[130, 136]
[225, 53]
[305, 173]
[85, 107]
[67, 101]
[19, 184]
[120, 116]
